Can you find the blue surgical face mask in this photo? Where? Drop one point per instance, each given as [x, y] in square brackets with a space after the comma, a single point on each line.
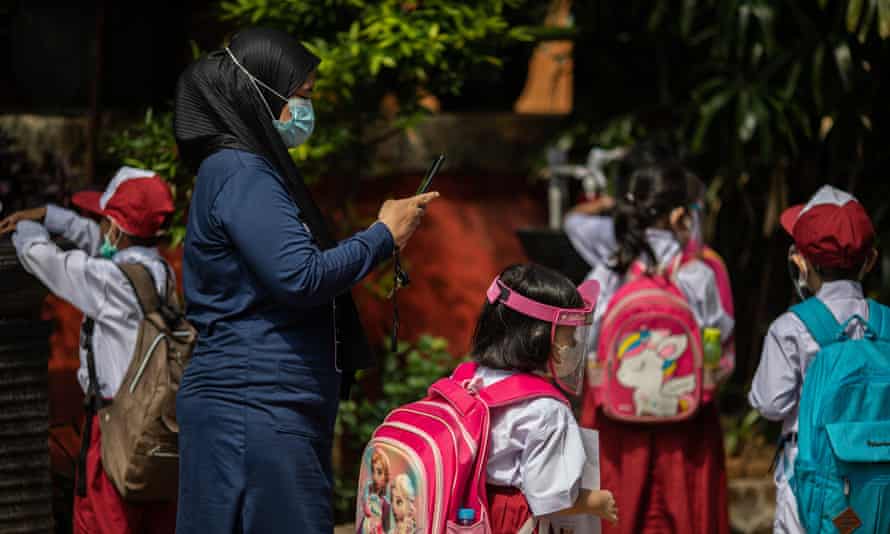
[108, 248]
[295, 131]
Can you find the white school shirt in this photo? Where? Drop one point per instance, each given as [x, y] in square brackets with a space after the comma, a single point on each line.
[694, 279]
[789, 348]
[536, 447]
[95, 286]
[592, 236]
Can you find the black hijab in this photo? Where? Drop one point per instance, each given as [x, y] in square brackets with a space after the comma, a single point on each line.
[218, 107]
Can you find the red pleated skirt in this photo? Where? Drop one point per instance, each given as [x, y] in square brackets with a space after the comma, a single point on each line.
[507, 508]
[667, 479]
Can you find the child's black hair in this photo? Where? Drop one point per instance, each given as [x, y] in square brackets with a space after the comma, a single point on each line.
[653, 192]
[833, 274]
[506, 339]
[152, 241]
[656, 149]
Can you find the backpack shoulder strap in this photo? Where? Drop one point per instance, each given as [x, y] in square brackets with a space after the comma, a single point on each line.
[171, 296]
[464, 371]
[879, 319]
[818, 319]
[519, 387]
[143, 282]
[670, 270]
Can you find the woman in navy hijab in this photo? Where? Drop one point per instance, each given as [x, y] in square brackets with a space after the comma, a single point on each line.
[267, 287]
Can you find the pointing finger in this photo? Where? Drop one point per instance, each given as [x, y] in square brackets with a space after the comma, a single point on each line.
[426, 198]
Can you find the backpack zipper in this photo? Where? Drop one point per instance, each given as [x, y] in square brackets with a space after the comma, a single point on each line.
[466, 435]
[148, 354]
[641, 294]
[430, 416]
[817, 411]
[443, 423]
[159, 452]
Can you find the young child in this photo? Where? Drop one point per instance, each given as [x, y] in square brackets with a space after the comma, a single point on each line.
[536, 453]
[666, 477]
[135, 208]
[833, 250]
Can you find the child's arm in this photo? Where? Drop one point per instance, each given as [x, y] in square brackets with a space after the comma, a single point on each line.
[776, 385]
[597, 206]
[552, 461]
[73, 276]
[698, 283]
[81, 231]
[600, 503]
[593, 236]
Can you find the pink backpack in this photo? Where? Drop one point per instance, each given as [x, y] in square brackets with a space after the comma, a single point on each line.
[721, 275]
[649, 351]
[427, 459]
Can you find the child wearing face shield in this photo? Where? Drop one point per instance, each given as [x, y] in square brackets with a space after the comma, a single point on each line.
[667, 476]
[134, 211]
[833, 250]
[536, 454]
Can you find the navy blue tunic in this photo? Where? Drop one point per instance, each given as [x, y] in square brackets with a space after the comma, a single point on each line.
[258, 401]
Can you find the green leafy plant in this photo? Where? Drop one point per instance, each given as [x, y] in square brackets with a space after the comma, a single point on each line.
[149, 144]
[407, 374]
[770, 99]
[405, 50]
[738, 431]
[369, 49]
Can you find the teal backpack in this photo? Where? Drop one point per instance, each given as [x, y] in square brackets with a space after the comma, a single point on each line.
[842, 473]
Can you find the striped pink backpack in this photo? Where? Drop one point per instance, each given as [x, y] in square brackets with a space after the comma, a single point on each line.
[427, 459]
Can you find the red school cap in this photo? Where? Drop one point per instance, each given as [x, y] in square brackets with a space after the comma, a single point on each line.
[137, 200]
[831, 230]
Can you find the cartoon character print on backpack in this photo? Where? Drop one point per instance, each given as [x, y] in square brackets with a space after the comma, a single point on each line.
[390, 494]
[404, 505]
[648, 361]
[376, 497]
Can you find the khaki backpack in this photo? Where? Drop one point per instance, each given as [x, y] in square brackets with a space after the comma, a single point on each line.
[140, 450]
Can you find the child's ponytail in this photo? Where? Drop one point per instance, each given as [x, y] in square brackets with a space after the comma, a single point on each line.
[652, 193]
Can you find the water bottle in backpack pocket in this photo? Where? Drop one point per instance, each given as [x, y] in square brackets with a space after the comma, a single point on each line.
[842, 473]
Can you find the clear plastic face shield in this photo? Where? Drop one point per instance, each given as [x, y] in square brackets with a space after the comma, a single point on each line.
[569, 334]
[696, 241]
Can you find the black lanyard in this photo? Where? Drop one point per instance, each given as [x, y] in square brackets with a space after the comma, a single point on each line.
[399, 280]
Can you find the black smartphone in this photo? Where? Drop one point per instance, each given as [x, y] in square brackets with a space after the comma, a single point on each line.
[428, 179]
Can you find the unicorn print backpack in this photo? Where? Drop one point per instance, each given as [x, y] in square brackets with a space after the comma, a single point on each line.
[649, 353]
